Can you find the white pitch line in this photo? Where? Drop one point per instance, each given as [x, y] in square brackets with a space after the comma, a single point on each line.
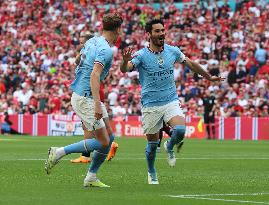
[224, 158]
[214, 199]
[232, 194]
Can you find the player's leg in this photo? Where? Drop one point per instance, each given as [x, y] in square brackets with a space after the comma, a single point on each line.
[87, 145]
[168, 130]
[87, 135]
[152, 122]
[160, 140]
[114, 145]
[84, 108]
[174, 117]
[100, 146]
[85, 156]
[213, 129]
[179, 146]
[150, 152]
[178, 132]
[98, 158]
[206, 121]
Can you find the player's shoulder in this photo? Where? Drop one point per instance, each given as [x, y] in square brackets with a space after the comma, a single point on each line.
[103, 46]
[171, 48]
[102, 42]
[98, 41]
[141, 52]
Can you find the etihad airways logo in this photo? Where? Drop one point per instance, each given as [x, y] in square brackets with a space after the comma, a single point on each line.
[161, 75]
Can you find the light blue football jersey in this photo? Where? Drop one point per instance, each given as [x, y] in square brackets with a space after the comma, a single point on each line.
[95, 50]
[156, 74]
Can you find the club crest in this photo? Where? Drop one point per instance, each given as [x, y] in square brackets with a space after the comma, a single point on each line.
[160, 60]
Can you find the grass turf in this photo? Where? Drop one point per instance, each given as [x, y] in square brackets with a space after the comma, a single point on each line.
[203, 167]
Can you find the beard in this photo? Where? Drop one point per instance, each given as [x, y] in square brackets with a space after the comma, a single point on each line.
[158, 41]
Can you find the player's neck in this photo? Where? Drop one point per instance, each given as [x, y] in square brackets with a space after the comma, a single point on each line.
[109, 38]
[155, 48]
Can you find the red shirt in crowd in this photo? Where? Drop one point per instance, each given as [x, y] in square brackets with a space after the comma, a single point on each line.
[264, 69]
[55, 102]
[102, 93]
[2, 87]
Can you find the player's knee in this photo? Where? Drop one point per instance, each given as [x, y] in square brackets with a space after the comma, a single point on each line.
[105, 143]
[179, 132]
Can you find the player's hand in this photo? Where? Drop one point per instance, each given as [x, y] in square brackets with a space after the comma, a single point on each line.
[127, 54]
[98, 111]
[216, 78]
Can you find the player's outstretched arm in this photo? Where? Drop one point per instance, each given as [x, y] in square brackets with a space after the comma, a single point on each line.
[77, 59]
[85, 37]
[195, 67]
[126, 65]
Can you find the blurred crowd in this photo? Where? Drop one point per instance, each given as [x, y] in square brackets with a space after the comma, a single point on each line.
[39, 41]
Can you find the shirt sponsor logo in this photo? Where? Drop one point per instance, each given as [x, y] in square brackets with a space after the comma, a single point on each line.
[161, 75]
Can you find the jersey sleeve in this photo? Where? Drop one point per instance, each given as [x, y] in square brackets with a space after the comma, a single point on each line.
[103, 57]
[136, 60]
[180, 57]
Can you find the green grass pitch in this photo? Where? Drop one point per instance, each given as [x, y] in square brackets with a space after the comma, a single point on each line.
[206, 173]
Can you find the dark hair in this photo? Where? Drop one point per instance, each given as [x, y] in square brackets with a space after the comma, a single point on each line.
[149, 24]
[86, 35]
[111, 22]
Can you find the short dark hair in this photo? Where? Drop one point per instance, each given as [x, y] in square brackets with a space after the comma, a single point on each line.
[149, 24]
[111, 22]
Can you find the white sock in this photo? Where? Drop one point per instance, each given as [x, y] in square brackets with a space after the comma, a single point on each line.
[91, 176]
[60, 152]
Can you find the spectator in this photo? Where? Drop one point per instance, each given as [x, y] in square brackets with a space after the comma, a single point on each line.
[24, 95]
[113, 96]
[6, 125]
[264, 69]
[260, 55]
[241, 74]
[231, 78]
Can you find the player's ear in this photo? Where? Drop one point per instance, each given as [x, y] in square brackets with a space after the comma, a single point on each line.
[148, 35]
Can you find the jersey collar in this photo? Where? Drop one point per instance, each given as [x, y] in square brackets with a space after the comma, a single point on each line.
[154, 52]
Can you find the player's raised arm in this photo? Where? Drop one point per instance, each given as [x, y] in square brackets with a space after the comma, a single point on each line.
[95, 87]
[126, 64]
[82, 40]
[77, 59]
[195, 67]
